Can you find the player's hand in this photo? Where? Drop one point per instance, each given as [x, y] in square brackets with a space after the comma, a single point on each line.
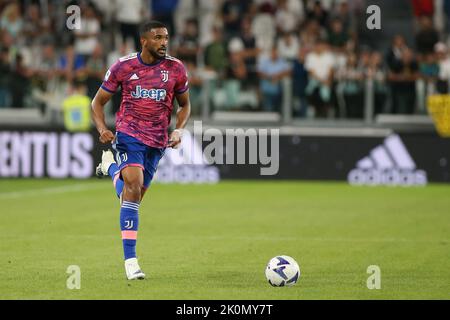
[175, 139]
[106, 136]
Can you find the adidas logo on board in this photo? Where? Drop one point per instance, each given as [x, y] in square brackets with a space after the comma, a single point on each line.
[388, 164]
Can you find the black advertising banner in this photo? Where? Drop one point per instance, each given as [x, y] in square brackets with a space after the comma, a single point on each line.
[393, 160]
[406, 159]
[35, 154]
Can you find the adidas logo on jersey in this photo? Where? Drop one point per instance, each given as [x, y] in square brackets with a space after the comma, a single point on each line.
[388, 164]
[134, 77]
[154, 94]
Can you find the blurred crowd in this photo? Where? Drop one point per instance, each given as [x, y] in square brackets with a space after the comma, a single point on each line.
[246, 54]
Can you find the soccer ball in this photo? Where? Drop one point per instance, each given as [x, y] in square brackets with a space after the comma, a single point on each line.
[282, 271]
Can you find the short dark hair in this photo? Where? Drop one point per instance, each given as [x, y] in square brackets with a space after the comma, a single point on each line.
[148, 26]
[78, 83]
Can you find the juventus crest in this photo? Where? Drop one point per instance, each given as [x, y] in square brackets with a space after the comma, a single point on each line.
[164, 75]
[128, 224]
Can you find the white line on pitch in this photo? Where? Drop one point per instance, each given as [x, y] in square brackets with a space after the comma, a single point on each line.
[51, 191]
[318, 239]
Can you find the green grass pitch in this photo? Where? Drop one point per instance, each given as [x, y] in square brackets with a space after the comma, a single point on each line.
[214, 241]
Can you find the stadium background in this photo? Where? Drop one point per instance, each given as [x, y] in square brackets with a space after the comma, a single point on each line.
[338, 92]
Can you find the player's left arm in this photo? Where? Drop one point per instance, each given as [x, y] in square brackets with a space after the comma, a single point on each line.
[183, 113]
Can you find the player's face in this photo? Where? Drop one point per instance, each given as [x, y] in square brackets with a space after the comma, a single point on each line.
[155, 42]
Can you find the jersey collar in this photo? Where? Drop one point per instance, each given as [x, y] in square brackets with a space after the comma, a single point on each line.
[149, 64]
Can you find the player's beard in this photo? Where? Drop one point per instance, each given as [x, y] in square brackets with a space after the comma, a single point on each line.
[156, 54]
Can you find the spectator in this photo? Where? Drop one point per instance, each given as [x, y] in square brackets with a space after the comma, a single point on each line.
[365, 56]
[86, 38]
[338, 36]
[47, 62]
[245, 45]
[33, 26]
[252, 10]
[237, 68]
[195, 87]
[71, 64]
[319, 64]
[395, 52]
[5, 78]
[95, 71]
[232, 15]
[343, 14]
[45, 67]
[129, 14]
[319, 14]
[351, 87]
[20, 84]
[11, 21]
[216, 53]
[446, 9]
[106, 11]
[288, 15]
[163, 11]
[35, 29]
[77, 109]
[288, 46]
[427, 36]
[264, 28]
[236, 77]
[187, 45]
[423, 8]
[299, 83]
[402, 77]
[428, 76]
[46, 76]
[272, 69]
[429, 68]
[444, 68]
[208, 18]
[376, 71]
[309, 34]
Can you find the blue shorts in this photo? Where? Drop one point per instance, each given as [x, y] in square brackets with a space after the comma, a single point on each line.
[130, 152]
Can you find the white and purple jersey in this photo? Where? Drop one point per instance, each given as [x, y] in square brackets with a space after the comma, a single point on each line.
[148, 91]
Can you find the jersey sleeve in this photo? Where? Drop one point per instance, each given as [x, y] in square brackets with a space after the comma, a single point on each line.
[182, 84]
[112, 81]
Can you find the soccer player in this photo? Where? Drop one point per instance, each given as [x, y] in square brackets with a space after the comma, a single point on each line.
[150, 80]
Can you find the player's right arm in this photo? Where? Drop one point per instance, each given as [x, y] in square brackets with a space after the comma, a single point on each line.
[98, 115]
[110, 84]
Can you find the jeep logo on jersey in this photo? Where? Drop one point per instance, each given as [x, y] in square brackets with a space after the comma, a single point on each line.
[155, 94]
